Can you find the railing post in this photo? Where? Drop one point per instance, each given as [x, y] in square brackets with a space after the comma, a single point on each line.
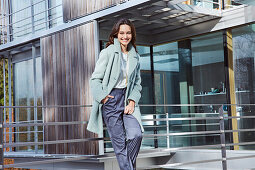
[167, 131]
[222, 139]
[1, 140]
[32, 16]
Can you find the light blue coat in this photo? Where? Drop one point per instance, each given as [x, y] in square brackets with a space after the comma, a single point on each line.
[105, 77]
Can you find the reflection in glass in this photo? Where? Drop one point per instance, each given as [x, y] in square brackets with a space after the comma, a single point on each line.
[21, 18]
[244, 56]
[24, 96]
[55, 13]
[190, 72]
[209, 83]
[40, 15]
[166, 81]
[147, 92]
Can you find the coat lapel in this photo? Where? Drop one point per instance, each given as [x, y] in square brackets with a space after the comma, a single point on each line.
[132, 57]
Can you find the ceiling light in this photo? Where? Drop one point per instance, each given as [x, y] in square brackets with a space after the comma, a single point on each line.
[164, 18]
[166, 9]
[146, 15]
[184, 12]
[157, 11]
[172, 16]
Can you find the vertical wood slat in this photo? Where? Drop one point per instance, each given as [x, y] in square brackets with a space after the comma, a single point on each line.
[51, 113]
[63, 88]
[232, 86]
[68, 62]
[55, 94]
[76, 8]
[67, 91]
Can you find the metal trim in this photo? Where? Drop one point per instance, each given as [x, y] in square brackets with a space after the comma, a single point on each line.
[7, 125]
[50, 161]
[17, 144]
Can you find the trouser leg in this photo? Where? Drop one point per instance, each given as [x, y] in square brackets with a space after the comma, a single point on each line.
[134, 138]
[112, 112]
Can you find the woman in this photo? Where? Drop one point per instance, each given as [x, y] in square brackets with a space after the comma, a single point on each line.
[116, 88]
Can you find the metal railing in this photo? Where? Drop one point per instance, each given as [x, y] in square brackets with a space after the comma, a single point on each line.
[34, 22]
[11, 29]
[163, 131]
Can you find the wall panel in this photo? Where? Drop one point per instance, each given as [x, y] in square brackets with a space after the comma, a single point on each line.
[76, 8]
[68, 60]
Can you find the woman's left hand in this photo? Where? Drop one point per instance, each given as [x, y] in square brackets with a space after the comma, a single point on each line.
[129, 109]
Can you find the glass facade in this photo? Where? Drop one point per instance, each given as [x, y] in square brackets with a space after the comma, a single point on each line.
[186, 72]
[244, 57]
[24, 95]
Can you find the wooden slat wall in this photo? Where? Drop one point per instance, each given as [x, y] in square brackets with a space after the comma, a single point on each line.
[68, 60]
[76, 8]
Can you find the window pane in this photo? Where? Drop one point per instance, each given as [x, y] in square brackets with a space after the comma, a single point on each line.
[40, 15]
[147, 92]
[21, 18]
[56, 12]
[166, 82]
[244, 56]
[190, 72]
[24, 96]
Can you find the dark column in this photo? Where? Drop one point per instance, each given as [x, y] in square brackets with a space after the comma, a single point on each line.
[185, 78]
[153, 96]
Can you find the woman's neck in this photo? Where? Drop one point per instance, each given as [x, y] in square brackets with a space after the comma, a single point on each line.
[124, 49]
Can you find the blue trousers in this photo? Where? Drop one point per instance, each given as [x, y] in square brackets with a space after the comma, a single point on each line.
[124, 130]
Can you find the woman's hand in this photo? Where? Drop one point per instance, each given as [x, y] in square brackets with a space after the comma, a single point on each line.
[129, 109]
[106, 98]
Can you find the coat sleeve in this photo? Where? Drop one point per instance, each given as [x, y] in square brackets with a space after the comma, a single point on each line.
[135, 94]
[96, 79]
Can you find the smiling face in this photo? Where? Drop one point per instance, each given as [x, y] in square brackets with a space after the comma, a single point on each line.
[124, 35]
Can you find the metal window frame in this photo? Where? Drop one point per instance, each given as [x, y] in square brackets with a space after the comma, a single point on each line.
[10, 70]
[35, 94]
[33, 57]
[4, 95]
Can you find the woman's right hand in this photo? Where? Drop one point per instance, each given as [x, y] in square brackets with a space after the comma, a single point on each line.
[106, 98]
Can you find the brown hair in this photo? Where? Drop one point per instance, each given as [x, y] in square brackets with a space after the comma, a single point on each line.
[116, 28]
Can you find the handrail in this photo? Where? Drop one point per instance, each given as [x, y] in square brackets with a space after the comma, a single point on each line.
[140, 105]
[219, 119]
